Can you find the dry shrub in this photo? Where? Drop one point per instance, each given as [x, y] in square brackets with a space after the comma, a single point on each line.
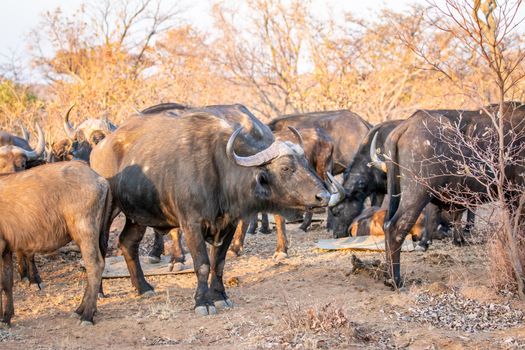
[317, 319]
[501, 272]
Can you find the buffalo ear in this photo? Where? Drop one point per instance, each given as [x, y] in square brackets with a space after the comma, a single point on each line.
[97, 136]
[262, 185]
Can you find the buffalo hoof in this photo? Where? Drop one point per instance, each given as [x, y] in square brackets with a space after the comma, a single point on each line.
[223, 304]
[420, 248]
[101, 295]
[280, 256]
[4, 325]
[303, 228]
[148, 294]
[178, 266]
[37, 286]
[233, 253]
[86, 323]
[74, 315]
[154, 259]
[24, 280]
[265, 231]
[205, 310]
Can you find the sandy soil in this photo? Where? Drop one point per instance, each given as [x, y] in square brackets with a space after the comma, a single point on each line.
[309, 301]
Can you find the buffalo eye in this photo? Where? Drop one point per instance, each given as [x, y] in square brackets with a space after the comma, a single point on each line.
[20, 163]
[336, 211]
[285, 169]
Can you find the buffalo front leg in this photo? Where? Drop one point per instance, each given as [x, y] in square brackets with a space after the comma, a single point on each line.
[469, 226]
[129, 241]
[307, 221]
[157, 249]
[240, 234]
[252, 227]
[396, 230]
[329, 220]
[281, 250]
[177, 253]
[201, 264]
[265, 224]
[218, 256]
[458, 237]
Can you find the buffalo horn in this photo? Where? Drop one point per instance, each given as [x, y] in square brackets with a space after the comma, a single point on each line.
[25, 133]
[273, 151]
[35, 154]
[376, 161]
[70, 131]
[297, 135]
[338, 192]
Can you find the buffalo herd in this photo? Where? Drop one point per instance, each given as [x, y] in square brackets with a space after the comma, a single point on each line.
[203, 174]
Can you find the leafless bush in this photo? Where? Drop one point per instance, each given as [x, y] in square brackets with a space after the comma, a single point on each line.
[493, 157]
[317, 319]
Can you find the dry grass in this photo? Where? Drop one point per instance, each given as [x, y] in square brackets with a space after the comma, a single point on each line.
[501, 272]
[317, 319]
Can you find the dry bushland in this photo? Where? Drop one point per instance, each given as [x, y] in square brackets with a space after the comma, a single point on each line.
[111, 58]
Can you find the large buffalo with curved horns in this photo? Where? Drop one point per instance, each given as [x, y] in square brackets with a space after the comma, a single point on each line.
[207, 170]
[428, 160]
[318, 149]
[81, 139]
[345, 128]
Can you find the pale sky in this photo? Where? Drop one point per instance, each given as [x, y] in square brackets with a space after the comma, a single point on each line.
[19, 17]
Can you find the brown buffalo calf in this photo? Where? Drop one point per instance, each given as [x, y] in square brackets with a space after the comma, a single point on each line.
[41, 213]
[370, 222]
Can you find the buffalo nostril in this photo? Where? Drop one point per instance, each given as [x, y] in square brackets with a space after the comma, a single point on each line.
[323, 197]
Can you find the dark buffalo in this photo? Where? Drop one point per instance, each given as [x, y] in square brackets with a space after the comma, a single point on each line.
[177, 257]
[345, 128]
[318, 150]
[360, 181]
[47, 216]
[204, 172]
[422, 169]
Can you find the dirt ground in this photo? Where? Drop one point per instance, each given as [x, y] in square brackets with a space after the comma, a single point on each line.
[312, 300]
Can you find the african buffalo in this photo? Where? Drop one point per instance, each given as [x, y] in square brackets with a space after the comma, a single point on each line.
[345, 128]
[360, 181]
[16, 155]
[47, 216]
[422, 167]
[318, 150]
[81, 139]
[206, 170]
